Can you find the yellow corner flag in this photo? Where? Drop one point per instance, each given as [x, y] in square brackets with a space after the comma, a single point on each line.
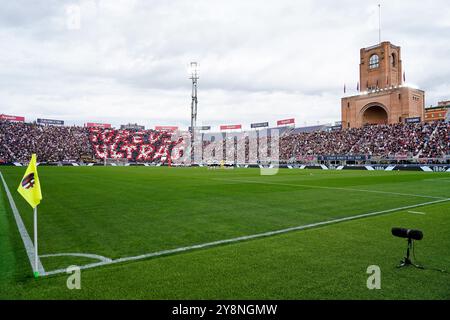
[29, 187]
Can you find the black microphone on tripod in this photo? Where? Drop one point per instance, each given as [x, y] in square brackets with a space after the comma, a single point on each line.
[407, 233]
[410, 235]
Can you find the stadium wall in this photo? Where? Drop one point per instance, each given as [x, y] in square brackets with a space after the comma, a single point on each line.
[373, 167]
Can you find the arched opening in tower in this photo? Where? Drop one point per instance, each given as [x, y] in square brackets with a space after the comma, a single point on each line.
[375, 115]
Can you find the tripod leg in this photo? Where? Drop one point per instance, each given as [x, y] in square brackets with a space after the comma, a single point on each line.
[406, 260]
[408, 250]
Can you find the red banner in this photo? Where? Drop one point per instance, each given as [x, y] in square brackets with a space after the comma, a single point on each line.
[97, 125]
[166, 128]
[12, 118]
[285, 122]
[231, 127]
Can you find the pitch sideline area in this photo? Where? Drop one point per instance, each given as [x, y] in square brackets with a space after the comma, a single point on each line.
[106, 261]
[306, 189]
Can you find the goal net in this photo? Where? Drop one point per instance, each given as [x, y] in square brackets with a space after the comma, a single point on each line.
[115, 162]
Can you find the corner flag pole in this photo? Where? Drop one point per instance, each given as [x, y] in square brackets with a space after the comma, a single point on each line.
[30, 189]
[36, 266]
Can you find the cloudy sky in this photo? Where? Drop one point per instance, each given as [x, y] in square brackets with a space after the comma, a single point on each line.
[120, 61]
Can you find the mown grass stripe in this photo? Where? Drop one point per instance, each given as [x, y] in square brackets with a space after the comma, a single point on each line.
[329, 188]
[249, 237]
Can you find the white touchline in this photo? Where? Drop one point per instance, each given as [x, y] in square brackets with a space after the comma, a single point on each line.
[329, 188]
[28, 244]
[244, 238]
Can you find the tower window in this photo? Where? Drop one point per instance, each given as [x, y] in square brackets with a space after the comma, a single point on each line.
[393, 60]
[374, 62]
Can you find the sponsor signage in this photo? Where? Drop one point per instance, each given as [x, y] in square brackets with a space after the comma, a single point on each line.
[259, 125]
[98, 125]
[286, 122]
[413, 120]
[439, 168]
[11, 118]
[132, 126]
[50, 121]
[401, 156]
[336, 128]
[166, 128]
[231, 127]
[203, 128]
[343, 158]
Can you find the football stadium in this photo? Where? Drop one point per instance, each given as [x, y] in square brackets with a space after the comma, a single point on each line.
[357, 209]
[305, 227]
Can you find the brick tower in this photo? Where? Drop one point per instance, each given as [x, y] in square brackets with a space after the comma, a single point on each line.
[383, 98]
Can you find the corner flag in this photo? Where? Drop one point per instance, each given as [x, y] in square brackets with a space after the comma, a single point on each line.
[29, 187]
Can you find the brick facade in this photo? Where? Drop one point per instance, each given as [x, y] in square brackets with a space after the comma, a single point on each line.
[383, 98]
[437, 113]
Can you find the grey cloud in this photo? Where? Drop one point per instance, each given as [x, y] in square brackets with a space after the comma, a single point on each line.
[258, 60]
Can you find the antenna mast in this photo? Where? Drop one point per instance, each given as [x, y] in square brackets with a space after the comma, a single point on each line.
[194, 77]
[379, 23]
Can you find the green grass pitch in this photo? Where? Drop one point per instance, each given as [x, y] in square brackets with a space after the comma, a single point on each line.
[119, 212]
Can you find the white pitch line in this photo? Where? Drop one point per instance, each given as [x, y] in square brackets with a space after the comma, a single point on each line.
[330, 188]
[417, 212]
[438, 180]
[244, 238]
[28, 244]
[85, 255]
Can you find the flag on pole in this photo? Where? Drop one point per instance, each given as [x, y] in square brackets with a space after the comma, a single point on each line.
[30, 189]
[29, 186]
[357, 87]
[404, 76]
[345, 88]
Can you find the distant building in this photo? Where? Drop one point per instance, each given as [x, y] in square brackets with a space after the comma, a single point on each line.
[383, 99]
[438, 112]
[131, 126]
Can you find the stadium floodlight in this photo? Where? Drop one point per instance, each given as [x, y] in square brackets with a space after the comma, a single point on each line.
[410, 235]
[193, 68]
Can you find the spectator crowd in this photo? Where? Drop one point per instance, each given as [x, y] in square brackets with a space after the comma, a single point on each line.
[134, 145]
[63, 143]
[19, 140]
[422, 140]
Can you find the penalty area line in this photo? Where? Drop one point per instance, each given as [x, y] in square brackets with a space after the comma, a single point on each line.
[28, 244]
[245, 238]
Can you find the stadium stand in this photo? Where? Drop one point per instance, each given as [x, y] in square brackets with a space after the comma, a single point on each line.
[422, 140]
[438, 145]
[134, 145]
[311, 129]
[51, 143]
[67, 144]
